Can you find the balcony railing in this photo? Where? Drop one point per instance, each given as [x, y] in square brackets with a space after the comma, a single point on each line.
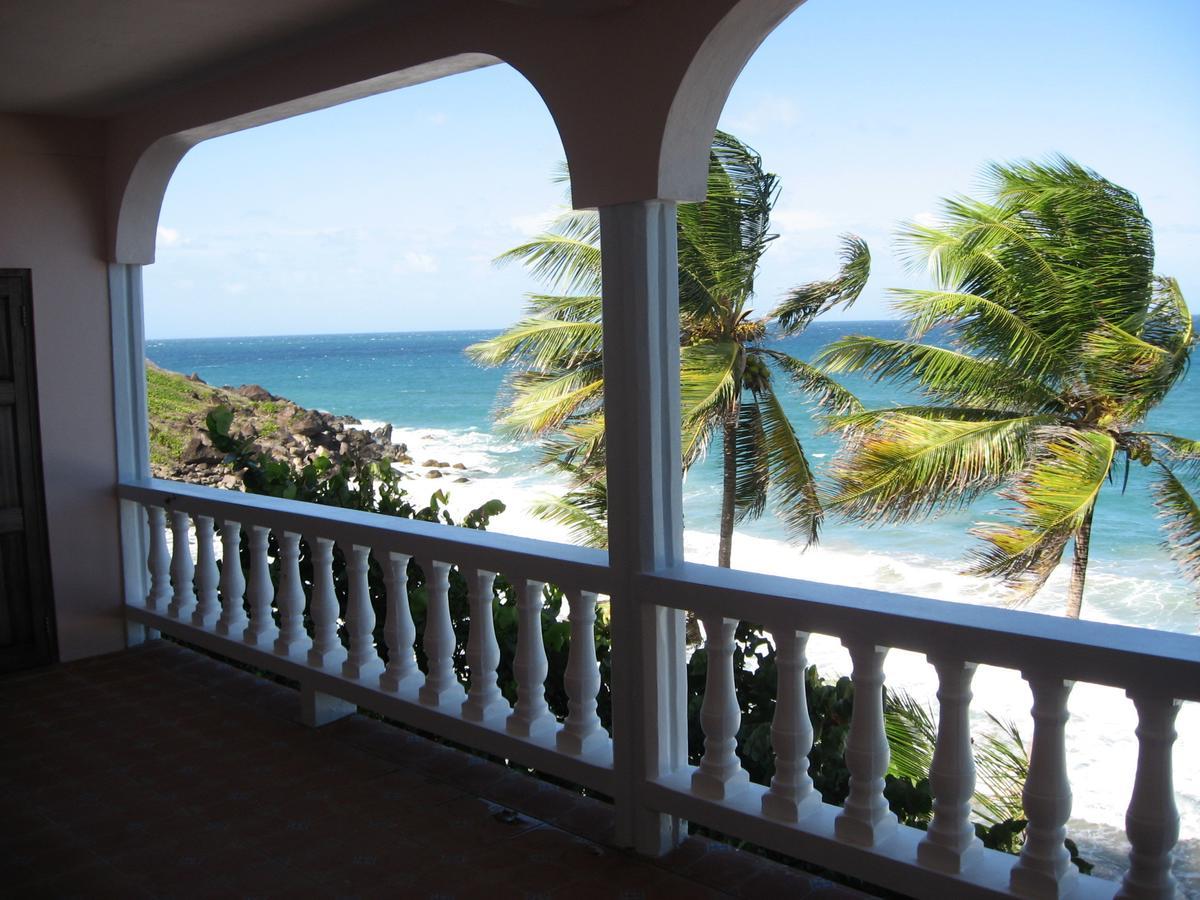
[295, 633]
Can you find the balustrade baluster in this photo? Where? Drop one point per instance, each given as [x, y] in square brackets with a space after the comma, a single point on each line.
[183, 598]
[1152, 821]
[866, 819]
[399, 632]
[720, 774]
[293, 640]
[531, 717]
[207, 605]
[441, 687]
[233, 583]
[581, 732]
[262, 631]
[950, 844]
[158, 560]
[484, 700]
[791, 795]
[326, 651]
[363, 660]
[1045, 868]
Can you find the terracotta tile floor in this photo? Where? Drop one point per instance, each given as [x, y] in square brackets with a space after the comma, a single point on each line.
[159, 772]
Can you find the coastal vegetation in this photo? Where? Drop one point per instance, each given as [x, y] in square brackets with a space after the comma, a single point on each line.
[731, 377]
[1040, 351]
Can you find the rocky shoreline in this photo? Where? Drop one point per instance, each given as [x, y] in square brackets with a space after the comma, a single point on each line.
[181, 449]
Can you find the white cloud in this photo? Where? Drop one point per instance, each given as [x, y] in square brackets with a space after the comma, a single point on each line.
[536, 222]
[925, 218]
[764, 113]
[787, 220]
[412, 261]
[168, 237]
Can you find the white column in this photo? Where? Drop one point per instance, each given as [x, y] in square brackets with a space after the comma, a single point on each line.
[262, 631]
[1152, 821]
[441, 688]
[1045, 869]
[950, 844]
[158, 560]
[484, 700]
[866, 819]
[183, 596]
[362, 661]
[645, 531]
[327, 651]
[399, 632]
[791, 796]
[233, 583]
[531, 717]
[293, 640]
[208, 608]
[720, 774]
[132, 433]
[581, 732]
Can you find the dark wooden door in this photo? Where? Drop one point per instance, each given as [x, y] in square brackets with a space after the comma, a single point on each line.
[26, 630]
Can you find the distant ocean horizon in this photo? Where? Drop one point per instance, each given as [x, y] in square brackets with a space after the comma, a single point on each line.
[441, 405]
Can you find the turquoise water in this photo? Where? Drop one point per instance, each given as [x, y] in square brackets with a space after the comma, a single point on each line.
[423, 382]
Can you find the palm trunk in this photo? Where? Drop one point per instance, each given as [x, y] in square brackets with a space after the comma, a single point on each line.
[728, 488]
[1083, 539]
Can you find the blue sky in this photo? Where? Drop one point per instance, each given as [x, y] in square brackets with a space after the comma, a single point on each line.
[384, 214]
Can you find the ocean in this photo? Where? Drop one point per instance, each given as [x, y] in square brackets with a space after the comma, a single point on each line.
[441, 405]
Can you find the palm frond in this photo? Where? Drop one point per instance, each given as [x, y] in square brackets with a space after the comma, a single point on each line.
[566, 257]
[911, 734]
[793, 484]
[541, 343]
[814, 383]
[1180, 515]
[542, 403]
[708, 388]
[897, 467]
[1053, 495]
[582, 511]
[945, 375]
[804, 303]
[753, 472]
[1002, 768]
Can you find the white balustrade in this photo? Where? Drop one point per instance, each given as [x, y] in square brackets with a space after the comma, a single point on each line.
[720, 774]
[262, 631]
[791, 796]
[326, 651]
[441, 688]
[484, 700]
[581, 732]
[158, 560]
[865, 818]
[531, 717]
[950, 844]
[293, 640]
[233, 582]
[183, 596]
[1152, 821]
[208, 607]
[363, 660]
[1045, 868]
[399, 632]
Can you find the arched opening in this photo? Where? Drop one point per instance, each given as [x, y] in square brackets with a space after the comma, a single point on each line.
[869, 131]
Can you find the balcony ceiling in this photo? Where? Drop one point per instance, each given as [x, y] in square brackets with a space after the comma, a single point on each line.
[90, 58]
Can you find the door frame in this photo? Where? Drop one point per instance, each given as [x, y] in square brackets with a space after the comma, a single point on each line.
[44, 649]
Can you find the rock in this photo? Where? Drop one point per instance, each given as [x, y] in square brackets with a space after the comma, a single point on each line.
[443, 465]
[254, 392]
[199, 450]
[195, 376]
[431, 464]
[459, 466]
[462, 480]
[309, 424]
[433, 473]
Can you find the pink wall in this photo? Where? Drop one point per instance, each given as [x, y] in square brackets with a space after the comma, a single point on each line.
[52, 185]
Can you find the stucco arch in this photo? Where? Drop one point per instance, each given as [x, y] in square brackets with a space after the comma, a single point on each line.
[635, 93]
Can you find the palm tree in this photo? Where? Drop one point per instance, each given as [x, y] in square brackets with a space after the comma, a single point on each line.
[728, 372]
[1054, 340]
